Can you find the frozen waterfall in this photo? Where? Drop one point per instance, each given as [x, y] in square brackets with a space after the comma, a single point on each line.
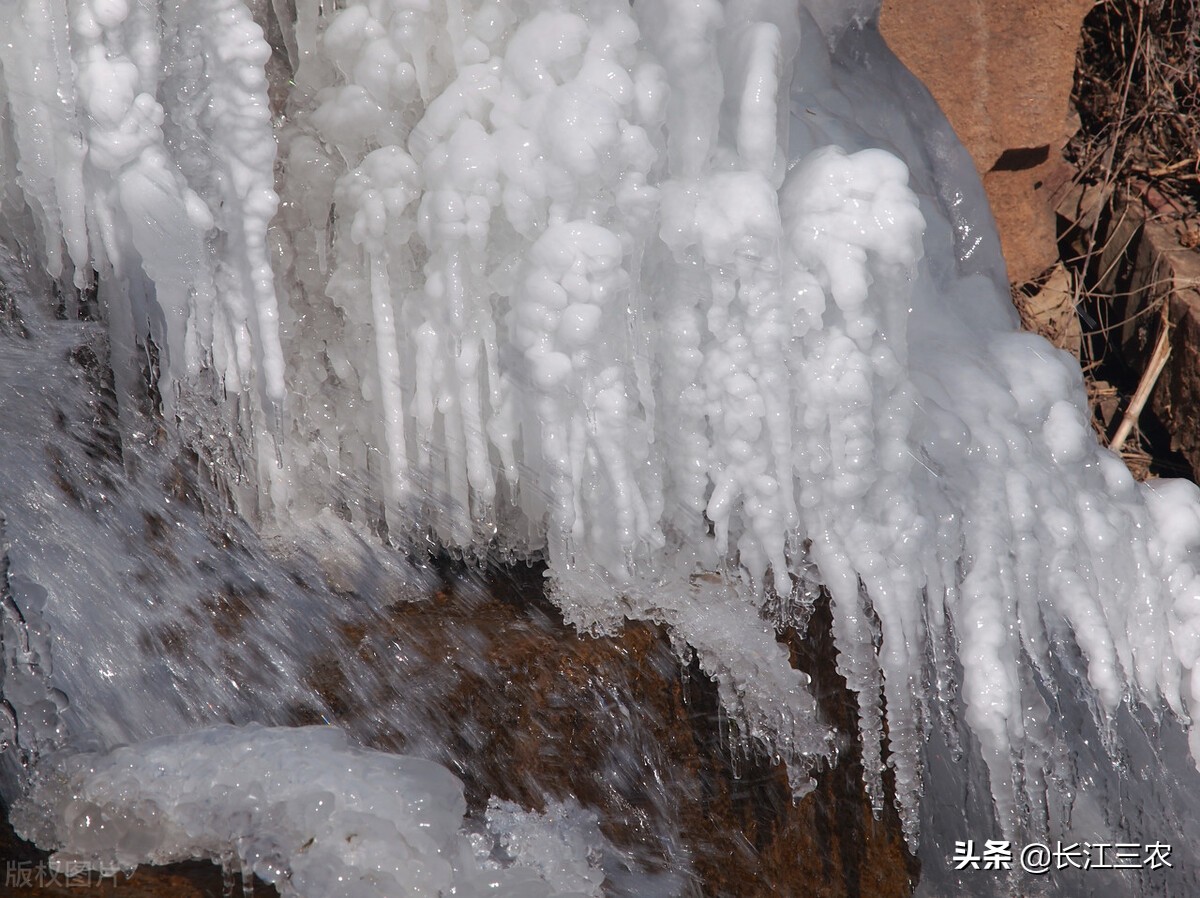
[700, 301]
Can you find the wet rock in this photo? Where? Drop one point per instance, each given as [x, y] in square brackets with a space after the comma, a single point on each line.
[487, 679]
[523, 708]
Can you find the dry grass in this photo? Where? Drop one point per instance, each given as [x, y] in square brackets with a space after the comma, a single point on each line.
[1137, 93]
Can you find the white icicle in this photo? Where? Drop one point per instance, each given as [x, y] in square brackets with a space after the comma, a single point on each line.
[646, 290]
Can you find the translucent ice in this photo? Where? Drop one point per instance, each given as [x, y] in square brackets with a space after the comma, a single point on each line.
[701, 300]
[305, 811]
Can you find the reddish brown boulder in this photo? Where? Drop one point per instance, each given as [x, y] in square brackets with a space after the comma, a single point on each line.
[1002, 71]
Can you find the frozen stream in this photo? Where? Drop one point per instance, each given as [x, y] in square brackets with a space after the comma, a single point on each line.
[698, 302]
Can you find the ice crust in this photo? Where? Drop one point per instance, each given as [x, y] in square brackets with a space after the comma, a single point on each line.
[700, 299]
[306, 811]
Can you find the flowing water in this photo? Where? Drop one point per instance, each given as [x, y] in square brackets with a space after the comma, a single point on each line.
[314, 314]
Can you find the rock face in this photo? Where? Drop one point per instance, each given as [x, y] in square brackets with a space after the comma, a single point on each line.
[495, 686]
[531, 709]
[1002, 71]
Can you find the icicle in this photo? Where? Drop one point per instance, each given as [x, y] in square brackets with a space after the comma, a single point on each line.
[635, 286]
[389, 379]
[35, 55]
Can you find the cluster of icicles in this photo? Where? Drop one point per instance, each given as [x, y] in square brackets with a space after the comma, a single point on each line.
[645, 287]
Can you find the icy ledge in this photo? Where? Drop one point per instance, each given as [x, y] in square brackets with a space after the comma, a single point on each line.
[311, 814]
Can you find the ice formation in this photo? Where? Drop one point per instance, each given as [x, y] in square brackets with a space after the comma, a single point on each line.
[305, 811]
[700, 299]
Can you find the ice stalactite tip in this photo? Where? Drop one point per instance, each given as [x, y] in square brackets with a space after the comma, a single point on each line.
[714, 324]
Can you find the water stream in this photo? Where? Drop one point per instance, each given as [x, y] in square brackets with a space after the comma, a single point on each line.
[319, 321]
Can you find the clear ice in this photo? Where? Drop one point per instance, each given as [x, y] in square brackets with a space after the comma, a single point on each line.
[699, 300]
[312, 815]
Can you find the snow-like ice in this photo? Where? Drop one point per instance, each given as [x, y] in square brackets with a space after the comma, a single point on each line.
[702, 300]
[304, 810]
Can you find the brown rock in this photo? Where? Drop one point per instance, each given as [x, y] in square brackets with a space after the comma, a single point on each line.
[525, 708]
[1002, 71]
[491, 683]
[1023, 203]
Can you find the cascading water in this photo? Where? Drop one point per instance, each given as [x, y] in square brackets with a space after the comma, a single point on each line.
[701, 302]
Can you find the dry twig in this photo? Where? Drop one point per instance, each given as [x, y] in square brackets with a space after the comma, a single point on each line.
[1158, 361]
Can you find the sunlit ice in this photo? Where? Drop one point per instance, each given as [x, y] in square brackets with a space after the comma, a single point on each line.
[698, 302]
